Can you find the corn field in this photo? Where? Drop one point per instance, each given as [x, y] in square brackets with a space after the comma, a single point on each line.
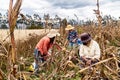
[16, 57]
[58, 66]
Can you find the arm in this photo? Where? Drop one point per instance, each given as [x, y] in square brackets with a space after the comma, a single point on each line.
[58, 47]
[75, 36]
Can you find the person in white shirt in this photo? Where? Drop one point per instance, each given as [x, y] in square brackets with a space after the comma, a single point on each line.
[89, 51]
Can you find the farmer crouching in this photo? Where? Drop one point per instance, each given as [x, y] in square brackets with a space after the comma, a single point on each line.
[89, 51]
[43, 46]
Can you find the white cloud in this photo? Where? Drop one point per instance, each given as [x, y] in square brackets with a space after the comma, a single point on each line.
[4, 4]
[111, 8]
[64, 8]
[35, 4]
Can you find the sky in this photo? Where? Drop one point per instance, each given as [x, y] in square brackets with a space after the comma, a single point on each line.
[66, 8]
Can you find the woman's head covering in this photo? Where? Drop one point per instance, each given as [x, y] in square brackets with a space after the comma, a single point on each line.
[85, 37]
[53, 33]
[69, 27]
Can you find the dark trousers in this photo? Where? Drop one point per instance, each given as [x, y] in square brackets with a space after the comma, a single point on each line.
[38, 58]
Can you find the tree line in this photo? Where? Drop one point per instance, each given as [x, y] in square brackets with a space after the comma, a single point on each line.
[35, 21]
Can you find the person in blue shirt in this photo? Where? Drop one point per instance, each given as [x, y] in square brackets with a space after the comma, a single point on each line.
[72, 37]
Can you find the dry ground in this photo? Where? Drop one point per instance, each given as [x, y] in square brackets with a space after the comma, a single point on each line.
[19, 34]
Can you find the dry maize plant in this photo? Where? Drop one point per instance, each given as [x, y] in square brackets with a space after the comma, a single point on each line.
[12, 18]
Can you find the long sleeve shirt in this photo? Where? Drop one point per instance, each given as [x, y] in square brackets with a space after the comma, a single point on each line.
[91, 51]
[44, 45]
[72, 35]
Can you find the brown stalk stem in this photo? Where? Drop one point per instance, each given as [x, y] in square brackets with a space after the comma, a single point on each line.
[95, 64]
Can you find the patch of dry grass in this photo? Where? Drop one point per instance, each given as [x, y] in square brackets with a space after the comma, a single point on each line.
[20, 34]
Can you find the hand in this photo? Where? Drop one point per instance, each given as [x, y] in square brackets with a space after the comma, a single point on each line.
[49, 54]
[88, 62]
[46, 57]
[84, 58]
[92, 59]
[73, 40]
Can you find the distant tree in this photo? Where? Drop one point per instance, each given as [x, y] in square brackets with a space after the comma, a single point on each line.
[29, 16]
[0, 18]
[57, 17]
[33, 26]
[26, 19]
[0, 14]
[73, 22]
[64, 24]
[37, 20]
[46, 18]
[58, 21]
[30, 19]
[20, 21]
[36, 17]
[108, 20]
[3, 26]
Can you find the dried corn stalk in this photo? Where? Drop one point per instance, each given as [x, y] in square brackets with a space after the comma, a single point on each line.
[97, 12]
[12, 18]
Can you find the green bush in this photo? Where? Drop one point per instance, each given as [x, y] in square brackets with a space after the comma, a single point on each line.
[3, 26]
[34, 27]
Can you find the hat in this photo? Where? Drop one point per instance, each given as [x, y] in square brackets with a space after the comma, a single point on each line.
[69, 27]
[53, 33]
[85, 37]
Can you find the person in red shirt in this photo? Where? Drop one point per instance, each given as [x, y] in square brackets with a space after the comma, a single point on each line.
[41, 50]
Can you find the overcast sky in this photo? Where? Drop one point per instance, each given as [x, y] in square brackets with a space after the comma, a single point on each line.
[66, 8]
